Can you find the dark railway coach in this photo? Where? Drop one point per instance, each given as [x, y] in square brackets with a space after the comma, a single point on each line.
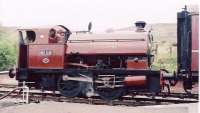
[188, 45]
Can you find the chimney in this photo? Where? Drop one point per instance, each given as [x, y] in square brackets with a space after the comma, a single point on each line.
[140, 25]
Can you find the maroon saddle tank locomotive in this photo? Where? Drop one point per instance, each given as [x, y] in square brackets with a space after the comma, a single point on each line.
[83, 63]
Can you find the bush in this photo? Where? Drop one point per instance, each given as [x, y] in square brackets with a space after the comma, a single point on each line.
[7, 48]
[164, 59]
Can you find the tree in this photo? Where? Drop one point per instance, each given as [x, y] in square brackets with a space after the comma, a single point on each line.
[7, 48]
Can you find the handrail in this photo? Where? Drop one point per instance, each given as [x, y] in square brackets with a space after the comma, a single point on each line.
[106, 40]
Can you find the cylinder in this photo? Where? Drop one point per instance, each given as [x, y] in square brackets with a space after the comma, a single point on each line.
[135, 80]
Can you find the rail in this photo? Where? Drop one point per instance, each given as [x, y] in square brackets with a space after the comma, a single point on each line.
[4, 72]
[25, 93]
[134, 99]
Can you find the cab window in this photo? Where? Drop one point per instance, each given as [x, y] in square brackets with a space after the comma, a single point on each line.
[30, 36]
[26, 37]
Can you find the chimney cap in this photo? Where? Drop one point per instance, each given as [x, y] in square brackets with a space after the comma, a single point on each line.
[140, 24]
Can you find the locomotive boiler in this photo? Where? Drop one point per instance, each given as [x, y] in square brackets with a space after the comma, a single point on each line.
[77, 63]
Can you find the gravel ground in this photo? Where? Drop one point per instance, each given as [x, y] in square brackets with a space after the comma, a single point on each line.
[4, 79]
[13, 106]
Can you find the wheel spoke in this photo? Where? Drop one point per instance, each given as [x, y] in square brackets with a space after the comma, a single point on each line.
[69, 88]
[107, 89]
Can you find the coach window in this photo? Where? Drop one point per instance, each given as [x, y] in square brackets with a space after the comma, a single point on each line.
[30, 36]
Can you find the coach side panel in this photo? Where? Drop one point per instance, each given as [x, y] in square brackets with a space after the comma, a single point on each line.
[195, 43]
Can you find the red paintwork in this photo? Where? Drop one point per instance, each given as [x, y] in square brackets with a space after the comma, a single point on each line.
[56, 60]
[120, 43]
[140, 64]
[106, 44]
[136, 80]
[195, 42]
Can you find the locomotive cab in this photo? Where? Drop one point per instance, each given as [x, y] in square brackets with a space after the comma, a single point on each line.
[48, 52]
[41, 49]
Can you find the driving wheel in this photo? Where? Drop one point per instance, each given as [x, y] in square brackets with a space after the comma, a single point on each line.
[69, 88]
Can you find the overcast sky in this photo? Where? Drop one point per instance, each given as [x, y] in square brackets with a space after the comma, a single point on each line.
[75, 14]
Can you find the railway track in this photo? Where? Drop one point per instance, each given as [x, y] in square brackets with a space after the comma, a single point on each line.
[141, 99]
[163, 94]
[134, 100]
[8, 86]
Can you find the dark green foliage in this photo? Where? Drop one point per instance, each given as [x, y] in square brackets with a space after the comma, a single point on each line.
[8, 48]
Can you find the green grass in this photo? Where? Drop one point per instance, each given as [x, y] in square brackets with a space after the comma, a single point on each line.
[165, 35]
[165, 60]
